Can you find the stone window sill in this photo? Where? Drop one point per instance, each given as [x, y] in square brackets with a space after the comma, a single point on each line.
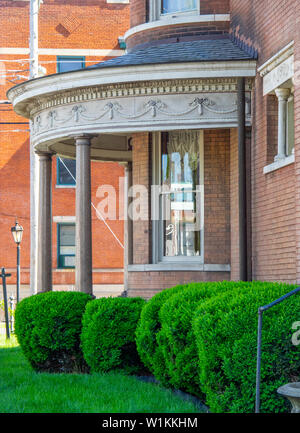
[279, 164]
[65, 186]
[174, 267]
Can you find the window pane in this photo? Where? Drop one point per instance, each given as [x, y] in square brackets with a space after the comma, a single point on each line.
[67, 235]
[171, 6]
[63, 171]
[66, 64]
[66, 245]
[181, 198]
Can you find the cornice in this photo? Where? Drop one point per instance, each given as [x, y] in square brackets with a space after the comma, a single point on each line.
[148, 88]
[276, 60]
[122, 81]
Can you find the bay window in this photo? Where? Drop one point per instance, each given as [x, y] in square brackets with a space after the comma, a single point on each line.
[178, 230]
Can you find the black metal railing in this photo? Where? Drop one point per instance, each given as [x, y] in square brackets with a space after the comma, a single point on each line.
[261, 311]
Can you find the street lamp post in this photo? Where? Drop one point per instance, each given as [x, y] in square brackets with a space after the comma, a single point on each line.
[17, 232]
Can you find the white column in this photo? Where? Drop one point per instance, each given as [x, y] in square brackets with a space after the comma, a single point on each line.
[83, 267]
[44, 232]
[283, 96]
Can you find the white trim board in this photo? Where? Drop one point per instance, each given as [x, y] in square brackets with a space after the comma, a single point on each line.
[64, 52]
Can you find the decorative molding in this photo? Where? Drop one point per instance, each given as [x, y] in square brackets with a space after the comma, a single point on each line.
[277, 59]
[279, 75]
[114, 111]
[79, 85]
[165, 87]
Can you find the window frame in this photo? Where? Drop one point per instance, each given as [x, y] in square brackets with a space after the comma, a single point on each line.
[157, 225]
[63, 185]
[156, 15]
[60, 58]
[59, 265]
[178, 13]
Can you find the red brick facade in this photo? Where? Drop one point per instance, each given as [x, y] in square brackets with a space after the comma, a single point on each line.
[272, 198]
[63, 25]
[273, 223]
[274, 195]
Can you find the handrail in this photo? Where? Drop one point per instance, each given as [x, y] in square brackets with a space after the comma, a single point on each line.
[261, 310]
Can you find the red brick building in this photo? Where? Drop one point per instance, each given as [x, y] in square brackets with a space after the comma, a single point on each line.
[202, 109]
[72, 34]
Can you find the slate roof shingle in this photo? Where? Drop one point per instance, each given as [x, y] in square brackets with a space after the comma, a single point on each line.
[179, 52]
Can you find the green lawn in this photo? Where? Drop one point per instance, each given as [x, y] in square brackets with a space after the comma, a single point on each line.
[23, 390]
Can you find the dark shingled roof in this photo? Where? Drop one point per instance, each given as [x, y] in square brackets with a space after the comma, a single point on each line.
[178, 52]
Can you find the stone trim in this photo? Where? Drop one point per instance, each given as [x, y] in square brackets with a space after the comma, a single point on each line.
[277, 59]
[279, 164]
[165, 87]
[84, 84]
[177, 267]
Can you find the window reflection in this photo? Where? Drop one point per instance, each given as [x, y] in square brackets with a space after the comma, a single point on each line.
[180, 198]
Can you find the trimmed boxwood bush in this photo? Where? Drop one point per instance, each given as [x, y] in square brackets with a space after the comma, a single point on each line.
[147, 330]
[176, 339]
[108, 334]
[48, 327]
[226, 335]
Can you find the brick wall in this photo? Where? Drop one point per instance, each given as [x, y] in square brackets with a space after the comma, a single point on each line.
[68, 24]
[234, 206]
[297, 143]
[176, 33]
[217, 196]
[268, 26]
[141, 176]
[138, 13]
[147, 284]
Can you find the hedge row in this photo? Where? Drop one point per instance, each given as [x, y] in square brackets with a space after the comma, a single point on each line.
[200, 338]
[69, 332]
[203, 339]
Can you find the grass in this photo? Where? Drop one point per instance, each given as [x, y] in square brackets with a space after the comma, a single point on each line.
[24, 391]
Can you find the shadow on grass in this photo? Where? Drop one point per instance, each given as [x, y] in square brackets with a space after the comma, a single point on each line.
[25, 391]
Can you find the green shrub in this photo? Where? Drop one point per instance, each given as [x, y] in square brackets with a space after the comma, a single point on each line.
[225, 329]
[147, 330]
[176, 338]
[48, 327]
[108, 334]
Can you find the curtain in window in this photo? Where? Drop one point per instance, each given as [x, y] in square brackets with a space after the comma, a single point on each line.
[185, 142]
[169, 6]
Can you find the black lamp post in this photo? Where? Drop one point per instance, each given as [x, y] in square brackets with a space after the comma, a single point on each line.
[17, 232]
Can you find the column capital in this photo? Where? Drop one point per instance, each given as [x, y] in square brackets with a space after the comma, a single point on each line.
[282, 94]
[44, 155]
[83, 139]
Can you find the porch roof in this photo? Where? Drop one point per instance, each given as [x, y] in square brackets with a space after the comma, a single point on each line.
[178, 52]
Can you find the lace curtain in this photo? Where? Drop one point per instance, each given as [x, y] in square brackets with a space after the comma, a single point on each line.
[183, 142]
[169, 6]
